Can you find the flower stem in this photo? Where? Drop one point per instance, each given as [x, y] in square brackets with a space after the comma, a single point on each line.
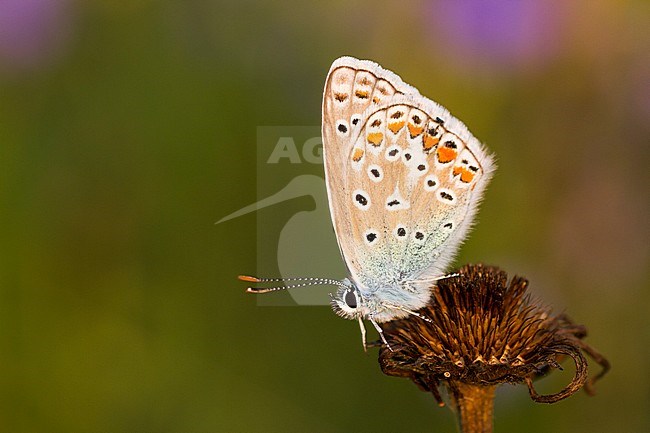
[475, 406]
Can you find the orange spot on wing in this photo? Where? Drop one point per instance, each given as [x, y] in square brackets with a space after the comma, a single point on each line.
[446, 154]
[375, 100]
[375, 138]
[415, 130]
[361, 94]
[342, 79]
[357, 155]
[396, 126]
[428, 142]
[466, 176]
[340, 96]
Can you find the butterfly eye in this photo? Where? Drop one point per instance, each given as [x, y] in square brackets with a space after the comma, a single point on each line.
[350, 299]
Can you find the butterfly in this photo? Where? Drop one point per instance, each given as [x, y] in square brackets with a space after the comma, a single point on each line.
[404, 180]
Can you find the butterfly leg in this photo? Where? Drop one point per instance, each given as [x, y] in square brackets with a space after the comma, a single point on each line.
[406, 310]
[381, 332]
[376, 343]
[453, 274]
[363, 335]
[434, 279]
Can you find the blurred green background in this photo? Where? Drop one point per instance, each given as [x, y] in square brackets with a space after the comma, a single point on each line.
[127, 128]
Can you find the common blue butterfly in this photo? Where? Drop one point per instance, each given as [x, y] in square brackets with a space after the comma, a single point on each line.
[404, 179]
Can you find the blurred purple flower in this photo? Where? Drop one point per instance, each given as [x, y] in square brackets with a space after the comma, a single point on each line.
[499, 32]
[32, 32]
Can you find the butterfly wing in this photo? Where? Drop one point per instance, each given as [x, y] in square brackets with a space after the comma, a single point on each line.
[435, 173]
[352, 85]
[403, 180]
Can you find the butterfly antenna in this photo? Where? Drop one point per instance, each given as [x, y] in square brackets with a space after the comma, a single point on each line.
[298, 282]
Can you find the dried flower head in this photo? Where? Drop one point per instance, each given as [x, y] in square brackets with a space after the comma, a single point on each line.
[485, 331]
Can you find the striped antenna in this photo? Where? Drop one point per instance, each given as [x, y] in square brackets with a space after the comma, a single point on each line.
[298, 282]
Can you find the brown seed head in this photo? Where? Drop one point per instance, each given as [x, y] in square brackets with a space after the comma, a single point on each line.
[485, 331]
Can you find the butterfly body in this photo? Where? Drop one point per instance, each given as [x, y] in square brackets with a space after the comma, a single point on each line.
[378, 303]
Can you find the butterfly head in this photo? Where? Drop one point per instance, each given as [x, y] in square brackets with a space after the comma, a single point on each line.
[348, 302]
